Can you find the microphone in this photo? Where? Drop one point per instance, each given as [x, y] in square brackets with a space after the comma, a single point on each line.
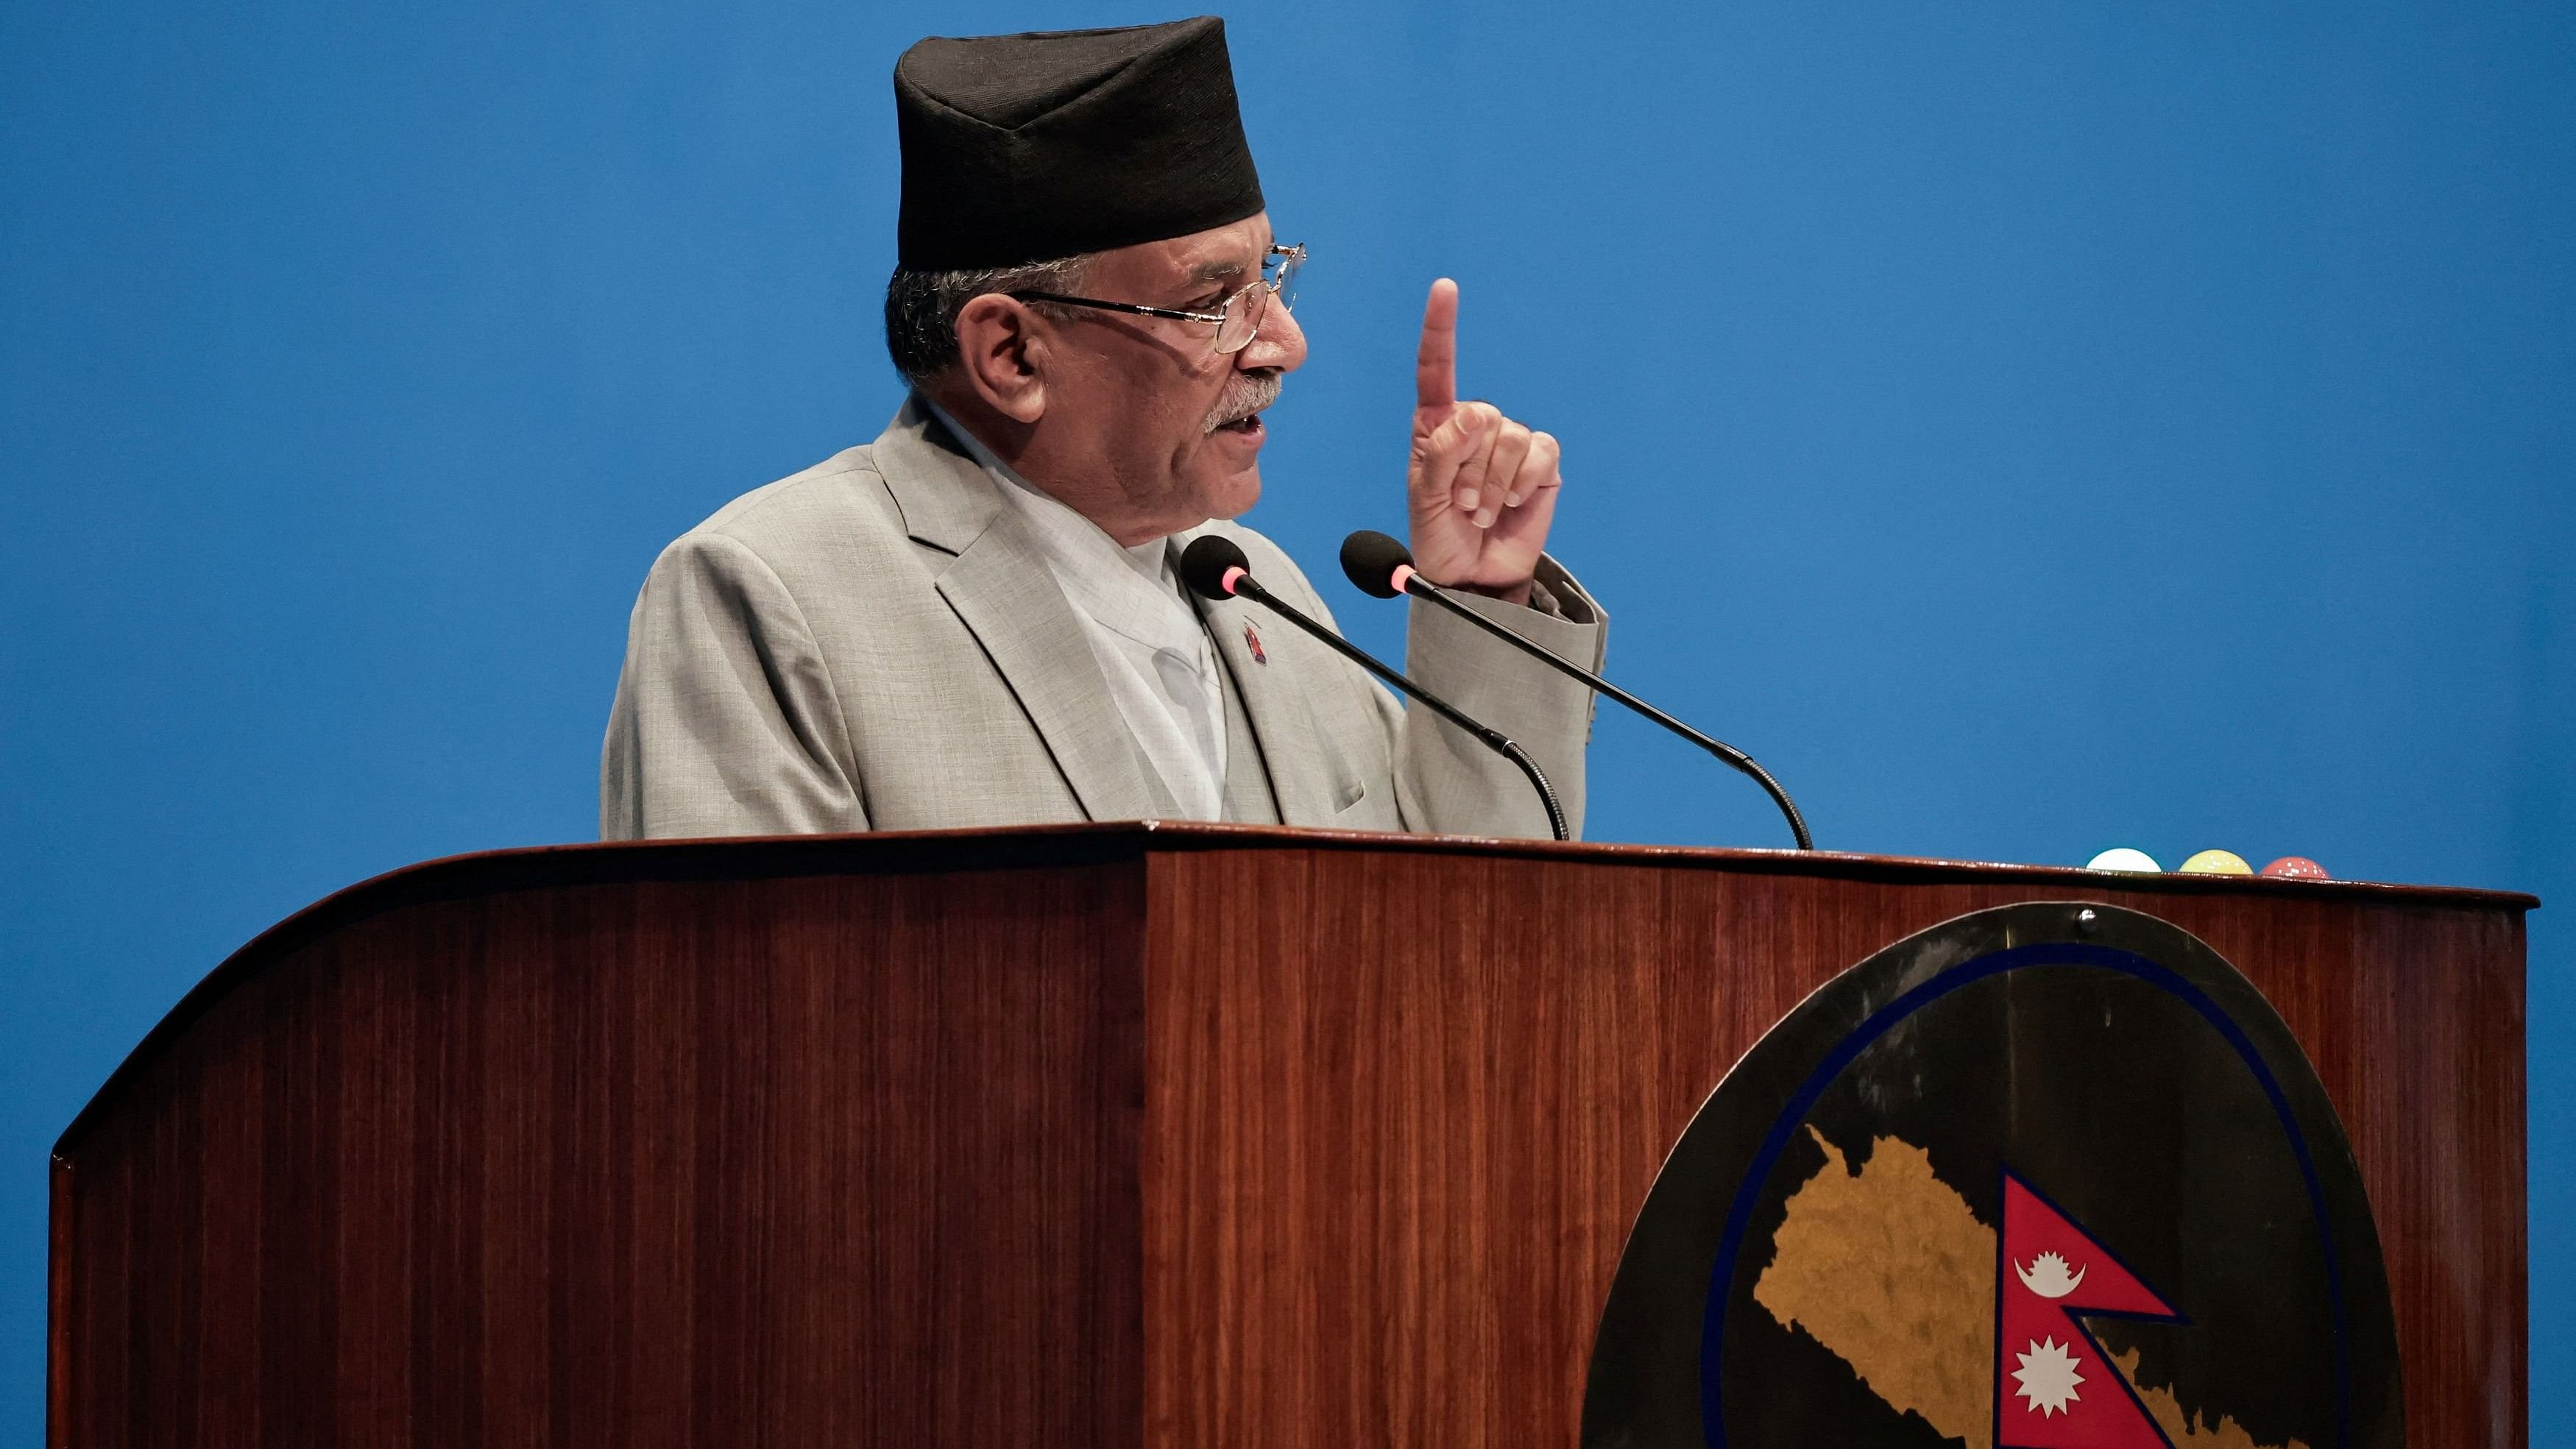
[1215, 568]
[1382, 567]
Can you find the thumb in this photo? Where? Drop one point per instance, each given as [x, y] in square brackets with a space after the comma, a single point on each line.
[1446, 449]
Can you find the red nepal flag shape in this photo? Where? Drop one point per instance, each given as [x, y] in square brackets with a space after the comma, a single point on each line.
[2053, 1387]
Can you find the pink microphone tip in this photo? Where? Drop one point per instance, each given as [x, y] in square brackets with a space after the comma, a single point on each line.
[1232, 577]
[1401, 578]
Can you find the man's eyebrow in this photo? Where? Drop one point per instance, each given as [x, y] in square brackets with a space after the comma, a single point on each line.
[1216, 271]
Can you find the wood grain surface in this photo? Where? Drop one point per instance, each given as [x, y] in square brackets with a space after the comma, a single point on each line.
[1095, 1135]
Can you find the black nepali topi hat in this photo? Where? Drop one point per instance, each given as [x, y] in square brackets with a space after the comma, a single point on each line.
[1026, 148]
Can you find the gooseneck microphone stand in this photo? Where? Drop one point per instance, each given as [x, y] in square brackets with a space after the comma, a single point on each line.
[1381, 566]
[1215, 568]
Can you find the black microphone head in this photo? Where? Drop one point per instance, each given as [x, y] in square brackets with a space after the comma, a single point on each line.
[1209, 566]
[1371, 558]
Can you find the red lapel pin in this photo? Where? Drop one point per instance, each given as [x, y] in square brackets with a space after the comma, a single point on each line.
[1253, 639]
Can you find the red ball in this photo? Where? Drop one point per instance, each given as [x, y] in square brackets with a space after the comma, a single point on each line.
[2296, 867]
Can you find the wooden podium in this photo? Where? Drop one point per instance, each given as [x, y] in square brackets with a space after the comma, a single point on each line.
[1177, 1136]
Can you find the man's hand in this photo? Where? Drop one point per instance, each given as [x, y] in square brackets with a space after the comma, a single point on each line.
[1482, 487]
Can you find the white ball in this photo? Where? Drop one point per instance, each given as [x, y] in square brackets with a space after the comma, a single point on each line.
[2121, 857]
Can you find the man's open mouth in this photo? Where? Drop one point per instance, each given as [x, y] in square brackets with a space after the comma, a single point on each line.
[1246, 427]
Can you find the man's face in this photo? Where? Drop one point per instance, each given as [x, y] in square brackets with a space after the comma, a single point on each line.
[1169, 429]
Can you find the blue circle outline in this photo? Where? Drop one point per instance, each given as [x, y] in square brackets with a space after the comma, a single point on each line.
[1862, 1037]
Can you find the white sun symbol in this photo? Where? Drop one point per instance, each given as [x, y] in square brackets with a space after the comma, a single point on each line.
[2048, 1378]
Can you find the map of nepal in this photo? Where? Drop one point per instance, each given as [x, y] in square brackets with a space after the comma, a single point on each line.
[2052, 1389]
[1976, 1330]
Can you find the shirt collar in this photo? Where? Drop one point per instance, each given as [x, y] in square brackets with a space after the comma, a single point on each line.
[1130, 590]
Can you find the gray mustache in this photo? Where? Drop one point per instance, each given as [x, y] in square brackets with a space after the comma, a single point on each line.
[1244, 395]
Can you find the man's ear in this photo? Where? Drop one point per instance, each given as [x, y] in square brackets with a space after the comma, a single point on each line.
[1002, 347]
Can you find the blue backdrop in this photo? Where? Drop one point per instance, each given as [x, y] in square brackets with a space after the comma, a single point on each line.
[2029, 428]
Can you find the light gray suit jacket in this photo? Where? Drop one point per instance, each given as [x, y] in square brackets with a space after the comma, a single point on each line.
[876, 643]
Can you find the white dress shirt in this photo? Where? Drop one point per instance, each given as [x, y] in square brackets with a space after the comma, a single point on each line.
[1158, 661]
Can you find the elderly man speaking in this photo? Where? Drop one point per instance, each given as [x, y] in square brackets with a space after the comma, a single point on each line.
[976, 619]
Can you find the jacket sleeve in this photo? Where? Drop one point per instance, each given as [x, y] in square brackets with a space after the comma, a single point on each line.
[1448, 782]
[726, 722]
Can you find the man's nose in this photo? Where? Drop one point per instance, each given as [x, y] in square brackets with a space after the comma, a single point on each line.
[1280, 343]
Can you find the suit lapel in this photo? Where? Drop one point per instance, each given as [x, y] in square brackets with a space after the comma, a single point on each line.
[1274, 699]
[1249, 799]
[946, 498]
[1002, 590]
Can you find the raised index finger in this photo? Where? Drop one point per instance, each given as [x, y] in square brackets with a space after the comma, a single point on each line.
[1435, 367]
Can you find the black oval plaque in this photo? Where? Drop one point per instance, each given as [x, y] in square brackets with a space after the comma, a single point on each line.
[2050, 1176]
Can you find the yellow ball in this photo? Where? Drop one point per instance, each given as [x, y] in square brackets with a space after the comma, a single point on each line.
[2217, 862]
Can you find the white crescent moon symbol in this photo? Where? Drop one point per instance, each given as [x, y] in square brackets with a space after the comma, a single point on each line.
[2051, 1285]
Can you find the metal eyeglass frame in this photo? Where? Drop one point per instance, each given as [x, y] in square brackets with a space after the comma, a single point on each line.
[1291, 257]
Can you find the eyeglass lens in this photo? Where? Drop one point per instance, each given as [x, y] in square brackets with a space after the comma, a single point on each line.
[1244, 309]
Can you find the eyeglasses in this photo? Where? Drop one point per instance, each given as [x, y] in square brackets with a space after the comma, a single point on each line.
[1237, 320]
